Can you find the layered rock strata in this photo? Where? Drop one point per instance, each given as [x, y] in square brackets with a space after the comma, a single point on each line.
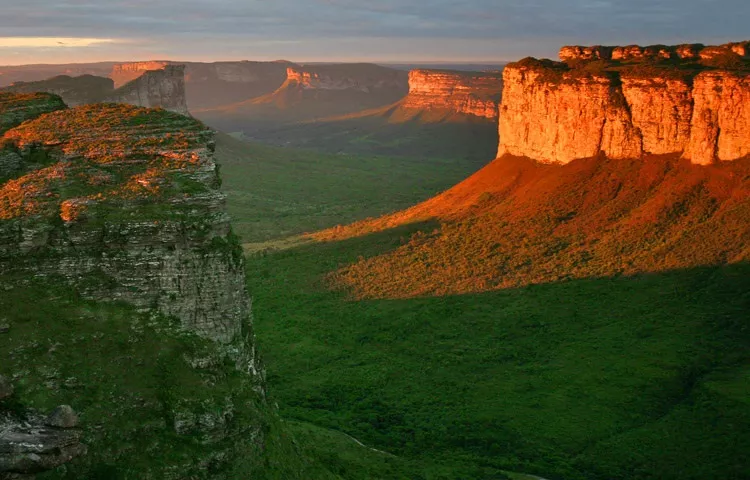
[130, 196]
[691, 51]
[555, 114]
[31, 443]
[163, 88]
[469, 93]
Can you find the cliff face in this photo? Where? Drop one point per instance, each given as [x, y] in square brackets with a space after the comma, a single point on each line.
[123, 73]
[118, 208]
[690, 51]
[163, 88]
[209, 85]
[149, 216]
[467, 93]
[553, 113]
[363, 77]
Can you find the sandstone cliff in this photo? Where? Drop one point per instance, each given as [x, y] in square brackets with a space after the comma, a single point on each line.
[554, 113]
[123, 73]
[163, 88]
[690, 51]
[115, 247]
[466, 93]
[155, 167]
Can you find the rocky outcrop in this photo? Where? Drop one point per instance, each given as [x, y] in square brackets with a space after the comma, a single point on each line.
[694, 51]
[553, 113]
[146, 216]
[31, 443]
[467, 93]
[163, 88]
[720, 126]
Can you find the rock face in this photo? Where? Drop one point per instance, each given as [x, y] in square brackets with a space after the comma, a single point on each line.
[123, 73]
[469, 93]
[163, 88]
[691, 51]
[363, 77]
[147, 216]
[552, 113]
[30, 444]
[210, 85]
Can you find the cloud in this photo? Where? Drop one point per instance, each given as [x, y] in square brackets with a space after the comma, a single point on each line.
[384, 27]
[58, 42]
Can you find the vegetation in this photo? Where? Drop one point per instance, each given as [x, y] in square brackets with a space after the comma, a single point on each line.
[276, 192]
[557, 321]
[565, 380]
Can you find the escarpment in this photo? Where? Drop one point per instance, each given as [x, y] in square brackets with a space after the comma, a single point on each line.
[164, 88]
[130, 195]
[209, 85]
[468, 93]
[124, 295]
[694, 107]
[363, 77]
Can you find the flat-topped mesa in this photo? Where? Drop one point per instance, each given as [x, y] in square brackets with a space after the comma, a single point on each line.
[363, 77]
[692, 51]
[164, 88]
[123, 73]
[129, 196]
[557, 112]
[469, 93]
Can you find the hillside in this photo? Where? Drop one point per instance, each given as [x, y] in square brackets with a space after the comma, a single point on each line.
[580, 316]
[277, 192]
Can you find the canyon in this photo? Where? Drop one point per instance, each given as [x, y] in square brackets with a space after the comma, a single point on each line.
[557, 112]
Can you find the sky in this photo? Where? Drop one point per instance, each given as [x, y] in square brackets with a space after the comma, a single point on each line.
[46, 31]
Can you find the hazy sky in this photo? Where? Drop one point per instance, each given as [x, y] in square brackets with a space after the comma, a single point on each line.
[36, 31]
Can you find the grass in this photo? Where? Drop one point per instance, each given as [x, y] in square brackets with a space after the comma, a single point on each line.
[279, 192]
[126, 375]
[564, 380]
[626, 374]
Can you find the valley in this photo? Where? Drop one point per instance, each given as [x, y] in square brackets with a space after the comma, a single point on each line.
[352, 271]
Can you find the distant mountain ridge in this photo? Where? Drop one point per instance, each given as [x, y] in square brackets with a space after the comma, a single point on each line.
[163, 87]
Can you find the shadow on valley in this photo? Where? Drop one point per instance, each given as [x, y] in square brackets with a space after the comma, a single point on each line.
[641, 376]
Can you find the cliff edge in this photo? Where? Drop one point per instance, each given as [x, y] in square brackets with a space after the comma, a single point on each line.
[452, 92]
[697, 106]
[124, 292]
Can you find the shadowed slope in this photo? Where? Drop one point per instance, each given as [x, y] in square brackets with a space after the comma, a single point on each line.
[516, 223]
